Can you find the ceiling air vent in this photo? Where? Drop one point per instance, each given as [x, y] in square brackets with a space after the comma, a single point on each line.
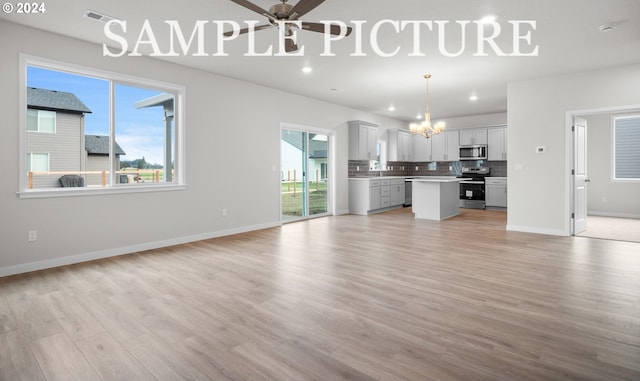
[98, 16]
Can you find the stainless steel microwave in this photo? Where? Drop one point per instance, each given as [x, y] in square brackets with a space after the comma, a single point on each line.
[475, 152]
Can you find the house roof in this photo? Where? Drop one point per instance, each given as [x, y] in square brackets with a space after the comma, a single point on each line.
[164, 99]
[54, 100]
[99, 145]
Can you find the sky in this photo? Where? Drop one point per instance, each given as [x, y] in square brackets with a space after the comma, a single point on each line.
[139, 132]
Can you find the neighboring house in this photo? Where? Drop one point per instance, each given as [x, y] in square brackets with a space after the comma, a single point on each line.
[56, 143]
[97, 157]
[292, 156]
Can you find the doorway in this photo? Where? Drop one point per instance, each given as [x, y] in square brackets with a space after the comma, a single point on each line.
[609, 212]
[306, 172]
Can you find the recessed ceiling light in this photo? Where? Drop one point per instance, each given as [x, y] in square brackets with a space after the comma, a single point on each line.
[335, 90]
[307, 69]
[419, 117]
[473, 98]
[487, 19]
[392, 108]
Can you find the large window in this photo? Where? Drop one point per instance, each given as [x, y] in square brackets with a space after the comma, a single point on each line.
[626, 148]
[117, 132]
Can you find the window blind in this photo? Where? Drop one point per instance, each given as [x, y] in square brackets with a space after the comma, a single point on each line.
[627, 148]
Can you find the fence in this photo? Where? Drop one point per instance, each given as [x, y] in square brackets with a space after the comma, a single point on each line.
[136, 175]
[294, 181]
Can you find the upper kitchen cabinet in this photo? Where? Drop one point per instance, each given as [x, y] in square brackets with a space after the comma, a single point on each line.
[445, 146]
[473, 137]
[421, 148]
[399, 146]
[363, 138]
[497, 143]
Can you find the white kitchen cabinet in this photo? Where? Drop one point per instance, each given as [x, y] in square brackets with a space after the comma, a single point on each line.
[385, 193]
[399, 147]
[473, 137]
[497, 143]
[396, 190]
[445, 146]
[421, 148]
[363, 138]
[375, 195]
[453, 146]
[371, 195]
[496, 191]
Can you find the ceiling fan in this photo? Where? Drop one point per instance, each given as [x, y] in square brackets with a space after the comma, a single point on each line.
[288, 12]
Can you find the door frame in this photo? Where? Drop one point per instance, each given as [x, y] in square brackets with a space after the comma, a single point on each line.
[570, 156]
[331, 162]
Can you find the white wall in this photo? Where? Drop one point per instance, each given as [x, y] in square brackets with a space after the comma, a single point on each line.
[607, 197]
[539, 183]
[475, 121]
[224, 163]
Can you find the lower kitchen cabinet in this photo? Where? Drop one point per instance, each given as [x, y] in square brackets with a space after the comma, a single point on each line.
[396, 189]
[496, 191]
[375, 195]
[371, 195]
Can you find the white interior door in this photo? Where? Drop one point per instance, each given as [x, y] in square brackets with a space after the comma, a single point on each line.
[580, 178]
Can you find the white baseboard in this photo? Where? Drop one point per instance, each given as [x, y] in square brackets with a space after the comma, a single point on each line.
[342, 212]
[535, 230]
[73, 259]
[612, 214]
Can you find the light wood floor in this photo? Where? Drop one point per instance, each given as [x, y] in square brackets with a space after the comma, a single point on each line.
[383, 297]
[619, 229]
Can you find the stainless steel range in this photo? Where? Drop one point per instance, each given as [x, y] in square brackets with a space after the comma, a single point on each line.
[472, 189]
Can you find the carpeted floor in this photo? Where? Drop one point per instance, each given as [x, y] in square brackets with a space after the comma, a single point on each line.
[619, 229]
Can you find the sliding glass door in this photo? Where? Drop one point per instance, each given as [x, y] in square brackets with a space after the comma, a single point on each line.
[304, 174]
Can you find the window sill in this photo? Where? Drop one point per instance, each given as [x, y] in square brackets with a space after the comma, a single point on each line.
[627, 181]
[79, 192]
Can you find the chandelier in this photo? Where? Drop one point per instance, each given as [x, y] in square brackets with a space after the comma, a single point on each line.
[425, 128]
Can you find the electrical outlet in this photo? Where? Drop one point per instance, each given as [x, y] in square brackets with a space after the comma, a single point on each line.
[224, 212]
[33, 236]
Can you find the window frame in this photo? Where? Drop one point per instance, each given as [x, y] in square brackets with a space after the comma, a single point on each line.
[614, 118]
[179, 92]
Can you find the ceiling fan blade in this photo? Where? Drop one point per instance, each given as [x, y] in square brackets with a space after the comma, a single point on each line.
[303, 7]
[290, 46]
[251, 6]
[247, 30]
[318, 27]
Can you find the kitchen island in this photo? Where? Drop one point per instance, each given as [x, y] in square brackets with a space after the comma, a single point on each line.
[436, 197]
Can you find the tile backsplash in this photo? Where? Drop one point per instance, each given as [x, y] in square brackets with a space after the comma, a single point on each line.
[358, 168]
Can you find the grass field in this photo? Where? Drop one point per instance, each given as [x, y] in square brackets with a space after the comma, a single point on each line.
[292, 203]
